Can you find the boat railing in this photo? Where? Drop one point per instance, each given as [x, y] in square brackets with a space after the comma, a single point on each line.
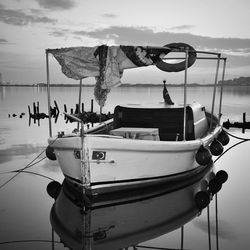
[187, 51]
[70, 116]
[215, 56]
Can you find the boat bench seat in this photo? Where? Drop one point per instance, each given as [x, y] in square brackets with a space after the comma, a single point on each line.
[169, 121]
[151, 134]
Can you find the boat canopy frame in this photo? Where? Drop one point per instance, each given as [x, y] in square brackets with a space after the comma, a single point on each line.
[213, 56]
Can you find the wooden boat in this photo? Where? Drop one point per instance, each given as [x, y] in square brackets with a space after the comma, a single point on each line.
[142, 145]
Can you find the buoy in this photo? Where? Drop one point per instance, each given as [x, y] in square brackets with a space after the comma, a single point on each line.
[216, 148]
[50, 153]
[53, 189]
[202, 199]
[203, 156]
[223, 138]
[221, 176]
[214, 186]
[177, 67]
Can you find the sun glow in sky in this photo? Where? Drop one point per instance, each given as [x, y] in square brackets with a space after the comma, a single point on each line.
[28, 27]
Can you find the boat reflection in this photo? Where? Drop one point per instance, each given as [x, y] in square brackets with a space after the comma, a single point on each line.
[127, 219]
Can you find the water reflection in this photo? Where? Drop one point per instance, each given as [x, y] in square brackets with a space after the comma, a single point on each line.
[2, 92]
[121, 220]
[237, 90]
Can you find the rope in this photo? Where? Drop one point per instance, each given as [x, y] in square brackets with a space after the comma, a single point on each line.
[21, 170]
[182, 237]
[53, 239]
[237, 137]
[29, 241]
[208, 228]
[41, 175]
[158, 248]
[216, 222]
[236, 144]
[242, 140]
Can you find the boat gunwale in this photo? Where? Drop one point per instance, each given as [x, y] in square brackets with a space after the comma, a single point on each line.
[160, 146]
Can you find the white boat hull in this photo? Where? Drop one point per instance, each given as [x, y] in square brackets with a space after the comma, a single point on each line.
[116, 163]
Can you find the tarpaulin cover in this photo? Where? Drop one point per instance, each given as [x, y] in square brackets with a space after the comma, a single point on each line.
[106, 63]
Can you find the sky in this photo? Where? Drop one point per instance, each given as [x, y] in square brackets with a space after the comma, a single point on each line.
[29, 27]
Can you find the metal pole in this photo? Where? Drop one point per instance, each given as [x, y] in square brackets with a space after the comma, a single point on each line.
[48, 91]
[182, 237]
[197, 58]
[214, 92]
[185, 97]
[79, 101]
[221, 89]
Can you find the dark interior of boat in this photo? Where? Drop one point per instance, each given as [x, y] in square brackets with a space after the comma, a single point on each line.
[169, 121]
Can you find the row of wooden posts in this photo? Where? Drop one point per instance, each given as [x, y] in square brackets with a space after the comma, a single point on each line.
[86, 116]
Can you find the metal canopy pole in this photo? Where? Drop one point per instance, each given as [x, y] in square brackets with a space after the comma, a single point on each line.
[48, 91]
[79, 101]
[185, 96]
[221, 90]
[214, 92]
[197, 58]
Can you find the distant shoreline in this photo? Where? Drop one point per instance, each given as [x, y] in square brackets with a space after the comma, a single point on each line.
[241, 81]
[127, 85]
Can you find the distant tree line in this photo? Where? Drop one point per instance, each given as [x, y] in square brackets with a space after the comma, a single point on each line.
[243, 81]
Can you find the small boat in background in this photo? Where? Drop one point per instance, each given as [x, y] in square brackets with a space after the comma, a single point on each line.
[142, 145]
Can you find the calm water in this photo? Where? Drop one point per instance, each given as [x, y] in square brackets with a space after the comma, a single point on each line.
[25, 205]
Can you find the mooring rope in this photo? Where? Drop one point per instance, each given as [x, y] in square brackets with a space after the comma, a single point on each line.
[234, 145]
[157, 248]
[28, 241]
[216, 222]
[52, 238]
[237, 137]
[242, 140]
[22, 170]
[182, 237]
[208, 228]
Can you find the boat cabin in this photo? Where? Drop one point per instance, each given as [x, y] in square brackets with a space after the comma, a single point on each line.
[162, 122]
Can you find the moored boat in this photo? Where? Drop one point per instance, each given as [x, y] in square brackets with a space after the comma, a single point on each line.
[142, 145]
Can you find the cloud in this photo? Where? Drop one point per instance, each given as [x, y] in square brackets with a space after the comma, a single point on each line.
[182, 27]
[3, 41]
[20, 18]
[145, 35]
[109, 15]
[56, 4]
[57, 33]
[237, 50]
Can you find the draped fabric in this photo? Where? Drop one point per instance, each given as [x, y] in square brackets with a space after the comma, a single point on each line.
[104, 63]
[101, 91]
[77, 62]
